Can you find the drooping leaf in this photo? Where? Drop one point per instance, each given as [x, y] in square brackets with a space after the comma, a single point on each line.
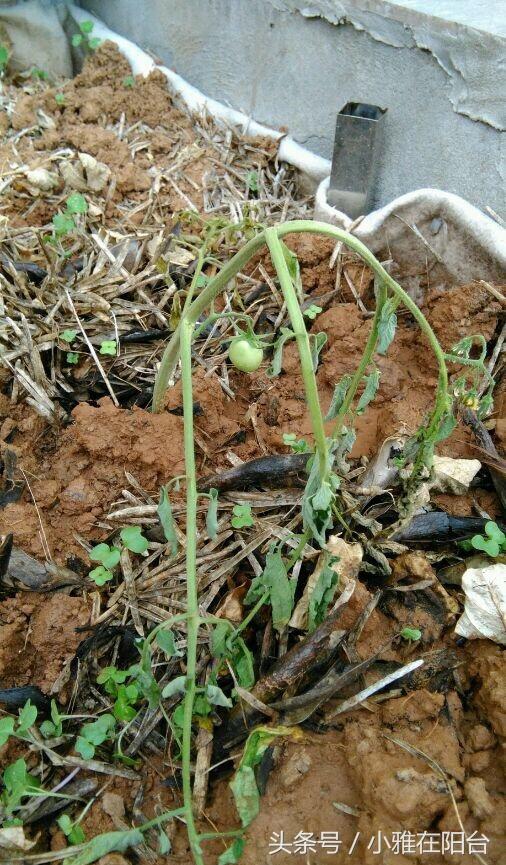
[175, 686]
[274, 580]
[322, 594]
[212, 514]
[316, 342]
[386, 326]
[338, 397]
[246, 795]
[108, 842]
[219, 639]
[370, 389]
[242, 662]
[446, 428]
[165, 640]
[164, 512]
[292, 263]
[243, 784]
[277, 358]
[233, 853]
[216, 696]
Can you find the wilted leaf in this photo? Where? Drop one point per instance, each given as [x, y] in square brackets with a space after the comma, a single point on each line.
[212, 514]
[371, 386]
[338, 397]
[164, 512]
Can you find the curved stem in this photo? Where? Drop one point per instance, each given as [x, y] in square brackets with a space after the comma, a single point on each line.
[213, 288]
[299, 328]
[192, 610]
[238, 261]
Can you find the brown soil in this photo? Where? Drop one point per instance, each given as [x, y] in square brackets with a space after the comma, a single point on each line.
[76, 473]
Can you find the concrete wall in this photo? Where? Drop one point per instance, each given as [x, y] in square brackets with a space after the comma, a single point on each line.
[296, 64]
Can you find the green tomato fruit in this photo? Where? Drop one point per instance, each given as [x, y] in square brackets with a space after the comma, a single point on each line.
[244, 355]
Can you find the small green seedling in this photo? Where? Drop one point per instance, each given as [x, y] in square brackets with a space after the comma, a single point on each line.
[73, 832]
[68, 335]
[85, 38]
[41, 74]
[242, 516]
[94, 734]
[109, 346]
[133, 539]
[17, 783]
[411, 634]
[4, 58]
[312, 311]
[54, 727]
[128, 81]
[493, 542]
[59, 98]
[252, 181]
[298, 446]
[63, 221]
[72, 357]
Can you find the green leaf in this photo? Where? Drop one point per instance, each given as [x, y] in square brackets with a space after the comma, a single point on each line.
[101, 575]
[84, 748]
[27, 717]
[233, 853]
[106, 555]
[292, 263]
[176, 686]
[76, 203]
[109, 346]
[411, 634]
[386, 325]
[274, 579]
[338, 397]
[316, 342]
[298, 446]
[63, 223]
[446, 428]
[312, 311]
[246, 795]
[243, 784]
[486, 545]
[323, 594]
[4, 57]
[65, 824]
[166, 642]
[6, 729]
[133, 539]
[219, 638]
[59, 98]
[128, 81]
[94, 43]
[242, 516]
[76, 40]
[216, 696]
[164, 845]
[212, 514]
[108, 842]
[242, 662]
[164, 512]
[493, 531]
[68, 335]
[252, 181]
[86, 26]
[371, 386]
[72, 357]
[274, 368]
